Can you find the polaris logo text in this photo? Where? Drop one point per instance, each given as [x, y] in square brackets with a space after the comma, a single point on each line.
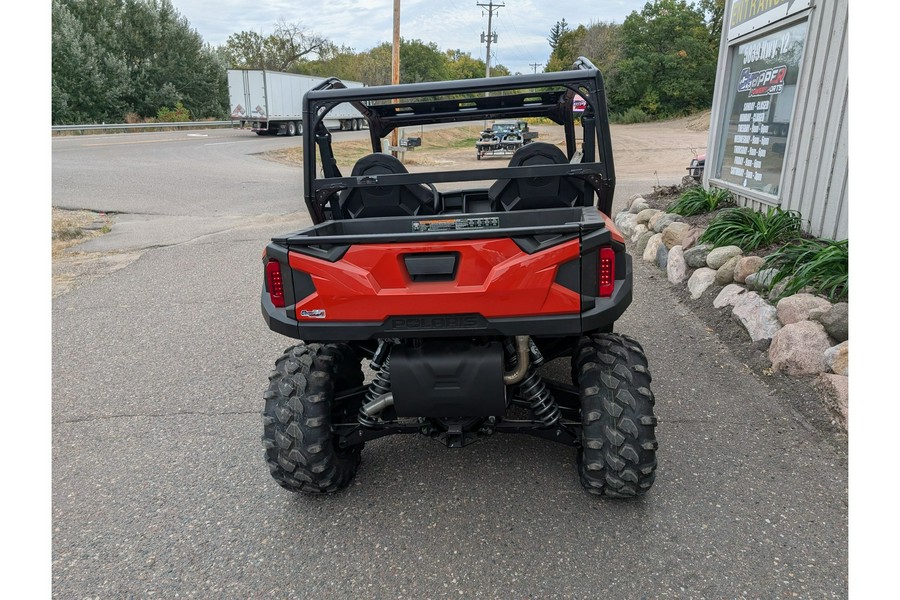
[313, 314]
[434, 322]
[762, 83]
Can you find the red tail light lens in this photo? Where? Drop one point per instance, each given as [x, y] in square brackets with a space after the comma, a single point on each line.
[607, 271]
[274, 283]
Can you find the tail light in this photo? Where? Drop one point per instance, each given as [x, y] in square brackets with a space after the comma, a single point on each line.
[274, 283]
[607, 271]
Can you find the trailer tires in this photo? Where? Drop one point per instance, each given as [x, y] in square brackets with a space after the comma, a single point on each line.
[618, 444]
[291, 128]
[300, 448]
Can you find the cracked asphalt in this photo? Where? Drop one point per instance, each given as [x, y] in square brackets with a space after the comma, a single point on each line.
[160, 489]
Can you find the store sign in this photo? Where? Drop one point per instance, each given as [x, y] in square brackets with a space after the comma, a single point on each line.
[750, 15]
[761, 89]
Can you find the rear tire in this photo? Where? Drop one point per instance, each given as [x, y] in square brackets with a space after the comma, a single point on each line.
[618, 443]
[291, 128]
[300, 448]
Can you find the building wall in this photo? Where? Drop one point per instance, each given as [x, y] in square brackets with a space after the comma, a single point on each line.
[816, 170]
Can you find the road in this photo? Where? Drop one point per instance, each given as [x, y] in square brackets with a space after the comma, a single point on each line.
[160, 490]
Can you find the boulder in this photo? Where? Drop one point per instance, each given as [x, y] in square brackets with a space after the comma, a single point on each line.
[798, 307]
[638, 230]
[700, 280]
[696, 256]
[663, 221]
[653, 245]
[799, 348]
[641, 242]
[729, 295]
[835, 392]
[761, 280]
[662, 256]
[725, 273]
[645, 215]
[691, 239]
[675, 233]
[651, 224]
[676, 268]
[837, 359]
[626, 222]
[719, 256]
[631, 199]
[835, 320]
[756, 315]
[747, 265]
[638, 205]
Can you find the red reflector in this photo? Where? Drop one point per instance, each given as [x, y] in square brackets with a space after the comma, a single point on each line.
[274, 283]
[607, 271]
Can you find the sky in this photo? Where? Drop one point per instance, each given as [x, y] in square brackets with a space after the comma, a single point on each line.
[522, 26]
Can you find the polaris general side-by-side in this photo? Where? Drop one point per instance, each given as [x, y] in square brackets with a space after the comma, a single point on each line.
[455, 286]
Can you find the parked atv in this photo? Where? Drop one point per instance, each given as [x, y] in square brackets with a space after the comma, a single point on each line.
[503, 137]
[455, 298]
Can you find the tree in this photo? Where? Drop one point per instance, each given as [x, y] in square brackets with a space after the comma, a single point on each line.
[715, 14]
[556, 32]
[668, 64]
[282, 50]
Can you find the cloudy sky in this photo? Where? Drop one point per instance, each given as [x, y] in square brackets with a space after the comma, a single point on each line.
[521, 25]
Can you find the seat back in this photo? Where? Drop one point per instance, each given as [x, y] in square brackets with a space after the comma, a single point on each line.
[536, 192]
[385, 201]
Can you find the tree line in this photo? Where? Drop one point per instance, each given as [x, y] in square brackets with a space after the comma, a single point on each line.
[660, 62]
[139, 60]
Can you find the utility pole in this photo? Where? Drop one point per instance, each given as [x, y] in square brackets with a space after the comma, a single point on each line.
[491, 35]
[395, 69]
[534, 66]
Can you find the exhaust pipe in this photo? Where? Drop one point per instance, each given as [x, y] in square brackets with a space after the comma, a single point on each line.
[523, 357]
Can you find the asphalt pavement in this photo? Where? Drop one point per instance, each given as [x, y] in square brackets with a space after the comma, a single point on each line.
[160, 488]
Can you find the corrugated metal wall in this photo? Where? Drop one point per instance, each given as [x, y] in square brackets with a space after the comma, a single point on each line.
[816, 167]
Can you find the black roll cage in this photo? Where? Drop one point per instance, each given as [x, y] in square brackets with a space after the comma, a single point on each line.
[593, 163]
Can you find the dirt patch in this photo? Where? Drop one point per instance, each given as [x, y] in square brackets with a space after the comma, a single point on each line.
[72, 268]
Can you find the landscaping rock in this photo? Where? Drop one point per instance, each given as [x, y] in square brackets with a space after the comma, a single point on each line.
[835, 391]
[756, 315]
[674, 234]
[631, 199]
[696, 256]
[725, 273]
[778, 289]
[626, 222]
[663, 221]
[691, 239]
[747, 265]
[700, 280]
[653, 245]
[837, 359]
[662, 256]
[645, 215]
[641, 242]
[761, 280]
[638, 230]
[799, 348]
[798, 307]
[719, 256]
[729, 295]
[638, 206]
[835, 320]
[651, 224]
[676, 268]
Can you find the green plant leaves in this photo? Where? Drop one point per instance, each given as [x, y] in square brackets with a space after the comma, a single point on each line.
[697, 200]
[749, 229]
[822, 265]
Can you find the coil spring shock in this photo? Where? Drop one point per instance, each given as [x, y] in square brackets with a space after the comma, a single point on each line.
[534, 391]
[380, 385]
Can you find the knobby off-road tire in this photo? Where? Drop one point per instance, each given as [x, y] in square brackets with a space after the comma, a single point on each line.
[300, 448]
[618, 454]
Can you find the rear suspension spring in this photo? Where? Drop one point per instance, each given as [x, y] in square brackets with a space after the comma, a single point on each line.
[534, 391]
[380, 385]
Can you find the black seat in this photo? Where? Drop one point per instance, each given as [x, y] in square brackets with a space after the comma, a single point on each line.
[385, 201]
[536, 192]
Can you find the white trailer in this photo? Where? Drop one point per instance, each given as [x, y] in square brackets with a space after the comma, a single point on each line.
[270, 102]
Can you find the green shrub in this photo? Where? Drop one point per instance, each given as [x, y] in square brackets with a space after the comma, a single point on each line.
[819, 264]
[179, 114]
[698, 200]
[749, 229]
[632, 115]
